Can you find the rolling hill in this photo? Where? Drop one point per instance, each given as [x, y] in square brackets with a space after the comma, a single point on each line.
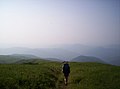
[87, 59]
[48, 75]
[116, 60]
[23, 58]
[54, 59]
[6, 59]
[68, 52]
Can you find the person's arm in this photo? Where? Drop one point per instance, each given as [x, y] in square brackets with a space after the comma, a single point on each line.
[63, 69]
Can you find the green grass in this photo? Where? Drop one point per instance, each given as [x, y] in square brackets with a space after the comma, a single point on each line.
[48, 75]
[25, 76]
[94, 76]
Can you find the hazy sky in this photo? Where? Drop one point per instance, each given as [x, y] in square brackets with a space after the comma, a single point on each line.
[37, 23]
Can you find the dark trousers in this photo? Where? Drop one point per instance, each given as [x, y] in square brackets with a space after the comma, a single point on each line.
[66, 76]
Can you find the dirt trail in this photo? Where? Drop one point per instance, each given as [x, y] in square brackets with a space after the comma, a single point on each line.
[61, 84]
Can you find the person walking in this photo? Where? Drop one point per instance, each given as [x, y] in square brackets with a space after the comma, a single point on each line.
[66, 72]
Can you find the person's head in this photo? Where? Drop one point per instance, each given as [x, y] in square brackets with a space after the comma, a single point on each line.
[65, 62]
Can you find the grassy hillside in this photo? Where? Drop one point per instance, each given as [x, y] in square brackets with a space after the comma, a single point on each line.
[26, 76]
[94, 76]
[48, 75]
[8, 59]
[19, 58]
[87, 59]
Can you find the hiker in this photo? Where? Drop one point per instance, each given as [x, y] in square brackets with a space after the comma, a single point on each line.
[66, 71]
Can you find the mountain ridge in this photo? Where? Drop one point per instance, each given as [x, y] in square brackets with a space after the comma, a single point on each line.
[68, 52]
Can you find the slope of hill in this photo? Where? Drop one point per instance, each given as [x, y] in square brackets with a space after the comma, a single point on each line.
[115, 60]
[24, 56]
[30, 61]
[48, 75]
[8, 59]
[87, 59]
[67, 52]
[94, 76]
[16, 58]
[54, 59]
[27, 76]
[41, 52]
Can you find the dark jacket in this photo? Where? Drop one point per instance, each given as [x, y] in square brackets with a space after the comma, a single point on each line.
[66, 69]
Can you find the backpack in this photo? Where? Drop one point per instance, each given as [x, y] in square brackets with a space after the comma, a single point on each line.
[66, 69]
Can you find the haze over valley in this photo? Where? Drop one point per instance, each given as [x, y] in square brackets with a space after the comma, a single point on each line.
[44, 43]
[61, 29]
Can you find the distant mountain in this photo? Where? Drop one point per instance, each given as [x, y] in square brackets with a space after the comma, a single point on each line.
[8, 59]
[2, 61]
[15, 57]
[115, 60]
[117, 46]
[67, 52]
[87, 59]
[41, 52]
[30, 61]
[24, 56]
[103, 53]
[78, 48]
[97, 51]
[54, 59]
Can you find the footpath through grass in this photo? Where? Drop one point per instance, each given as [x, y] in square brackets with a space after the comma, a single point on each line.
[48, 75]
[92, 76]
